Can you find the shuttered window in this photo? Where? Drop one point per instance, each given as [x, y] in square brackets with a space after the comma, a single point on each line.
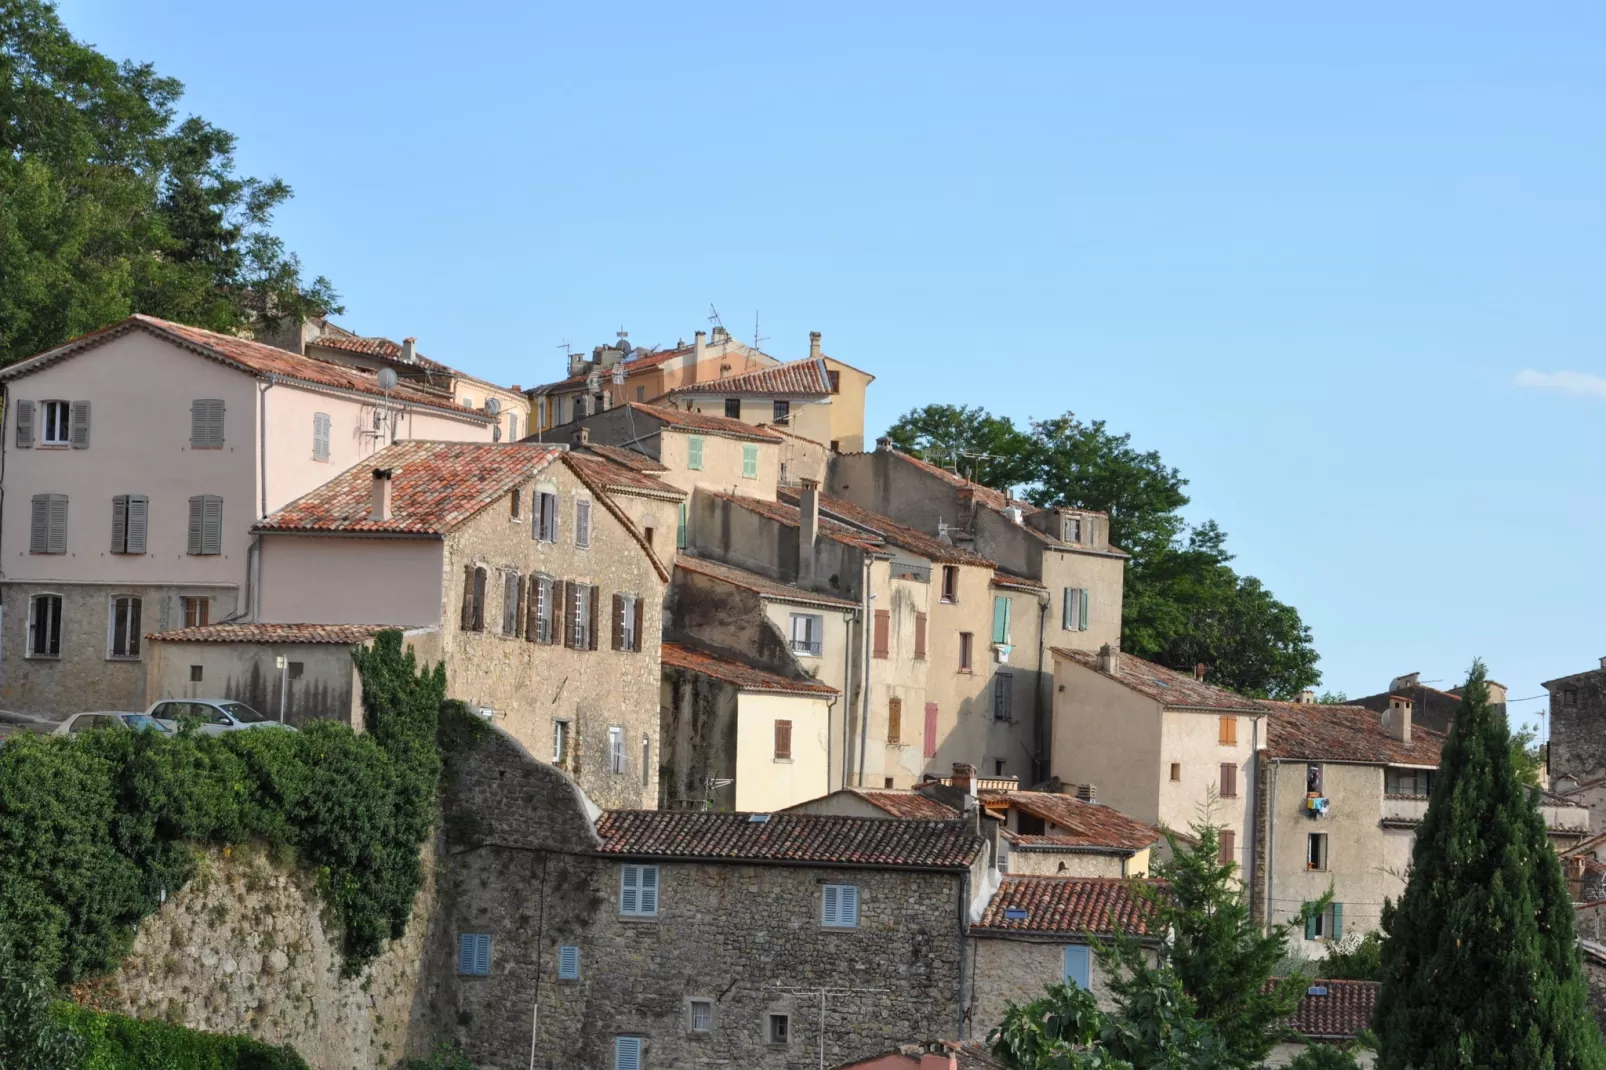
[1328, 925]
[694, 452]
[538, 625]
[929, 740]
[894, 720]
[206, 424]
[749, 462]
[124, 629]
[783, 740]
[206, 524]
[626, 622]
[1228, 855]
[568, 963]
[680, 526]
[1079, 966]
[638, 890]
[1074, 612]
[1229, 780]
[1082, 616]
[512, 588]
[197, 612]
[626, 1053]
[474, 954]
[1004, 697]
[545, 508]
[920, 636]
[883, 630]
[582, 523]
[950, 583]
[582, 610]
[25, 411]
[475, 579]
[1227, 731]
[80, 425]
[47, 529]
[839, 906]
[130, 518]
[1000, 620]
[320, 436]
[44, 626]
[55, 420]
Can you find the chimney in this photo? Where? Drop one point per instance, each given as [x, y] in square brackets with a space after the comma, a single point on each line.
[883, 444]
[934, 1060]
[1603, 663]
[381, 496]
[814, 345]
[1109, 660]
[1306, 698]
[808, 526]
[1088, 793]
[585, 436]
[1410, 679]
[1397, 722]
[699, 347]
[408, 356]
[1198, 670]
[965, 778]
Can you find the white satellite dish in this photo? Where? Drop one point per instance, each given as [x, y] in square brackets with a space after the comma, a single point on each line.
[493, 406]
[387, 379]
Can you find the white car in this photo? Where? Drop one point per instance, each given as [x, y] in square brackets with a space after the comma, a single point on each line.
[215, 714]
[90, 722]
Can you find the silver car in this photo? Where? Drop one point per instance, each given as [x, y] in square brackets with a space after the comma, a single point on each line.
[215, 715]
[91, 722]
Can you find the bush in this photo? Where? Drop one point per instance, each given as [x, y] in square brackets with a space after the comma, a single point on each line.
[114, 1042]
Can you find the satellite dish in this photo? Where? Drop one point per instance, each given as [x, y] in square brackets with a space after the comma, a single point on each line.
[496, 433]
[624, 347]
[493, 406]
[387, 379]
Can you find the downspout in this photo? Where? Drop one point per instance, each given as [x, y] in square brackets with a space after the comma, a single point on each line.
[1271, 840]
[864, 697]
[253, 554]
[847, 692]
[1253, 824]
[1045, 727]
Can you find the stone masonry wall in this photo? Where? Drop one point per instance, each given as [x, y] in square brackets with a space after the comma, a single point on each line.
[1014, 970]
[1578, 726]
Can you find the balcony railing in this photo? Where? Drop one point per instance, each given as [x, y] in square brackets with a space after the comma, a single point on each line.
[811, 647]
[904, 571]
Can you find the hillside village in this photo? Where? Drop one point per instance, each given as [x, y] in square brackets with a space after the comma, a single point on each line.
[799, 750]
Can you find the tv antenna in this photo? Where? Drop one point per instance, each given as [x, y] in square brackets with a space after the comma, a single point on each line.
[566, 346]
[713, 317]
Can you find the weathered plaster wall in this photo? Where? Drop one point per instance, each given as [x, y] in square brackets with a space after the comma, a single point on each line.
[764, 782]
[320, 682]
[1108, 736]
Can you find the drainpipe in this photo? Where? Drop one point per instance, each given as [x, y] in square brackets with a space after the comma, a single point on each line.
[847, 692]
[864, 698]
[1253, 824]
[253, 554]
[1045, 728]
[1271, 841]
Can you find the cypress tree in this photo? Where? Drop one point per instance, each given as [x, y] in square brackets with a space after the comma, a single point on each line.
[1480, 962]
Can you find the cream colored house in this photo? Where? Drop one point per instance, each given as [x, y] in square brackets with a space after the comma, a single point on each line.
[693, 450]
[1056, 834]
[797, 396]
[137, 460]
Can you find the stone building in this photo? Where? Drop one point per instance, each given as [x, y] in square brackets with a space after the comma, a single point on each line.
[137, 460]
[1330, 1013]
[693, 449]
[1576, 756]
[1049, 833]
[1432, 707]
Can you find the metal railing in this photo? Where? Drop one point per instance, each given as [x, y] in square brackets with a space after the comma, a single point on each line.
[810, 647]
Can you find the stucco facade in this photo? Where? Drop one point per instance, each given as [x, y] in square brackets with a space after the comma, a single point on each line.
[318, 681]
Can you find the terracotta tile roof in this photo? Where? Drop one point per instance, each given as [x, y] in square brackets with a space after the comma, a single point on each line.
[906, 804]
[377, 347]
[782, 513]
[253, 358]
[1005, 579]
[1079, 824]
[760, 585]
[1065, 906]
[745, 677]
[629, 458]
[1344, 1011]
[918, 542]
[616, 477]
[967, 1055]
[632, 364]
[807, 377]
[585, 470]
[701, 422]
[436, 486]
[1173, 689]
[1311, 731]
[338, 634]
[786, 837]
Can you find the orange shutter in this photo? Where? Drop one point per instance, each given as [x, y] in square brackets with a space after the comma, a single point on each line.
[883, 628]
[894, 719]
[920, 635]
[783, 739]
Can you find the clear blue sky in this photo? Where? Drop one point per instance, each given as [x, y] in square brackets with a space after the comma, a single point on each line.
[1327, 263]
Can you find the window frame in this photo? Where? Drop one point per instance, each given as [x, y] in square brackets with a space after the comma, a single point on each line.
[640, 871]
[131, 634]
[814, 626]
[781, 412]
[692, 1004]
[781, 1037]
[64, 425]
[1317, 859]
[950, 584]
[846, 900]
[203, 606]
[967, 652]
[733, 403]
[32, 649]
[561, 741]
[1083, 956]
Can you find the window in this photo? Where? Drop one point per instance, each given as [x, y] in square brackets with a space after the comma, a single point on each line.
[1229, 780]
[320, 436]
[1313, 778]
[568, 963]
[295, 670]
[641, 393]
[694, 452]
[680, 526]
[839, 906]
[1176, 771]
[47, 533]
[515, 504]
[538, 609]
[1074, 611]
[1328, 925]
[929, 736]
[920, 637]
[950, 583]
[57, 423]
[582, 523]
[197, 612]
[545, 508]
[130, 513]
[474, 581]
[638, 891]
[733, 408]
[964, 651]
[1316, 851]
[780, 1029]
[836, 381]
[1071, 529]
[196, 673]
[616, 749]
[44, 626]
[1228, 853]
[512, 595]
[626, 1053]
[206, 524]
[702, 1015]
[1079, 966]
[582, 611]
[206, 424]
[1227, 731]
[474, 954]
[557, 409]
[783, 412]
[894, 720]
[883, 628]
[749, 462]
[1001, 620]
[626, 622]
[998, 767]
[647, 534]
[124, 627]
[1414, 782]
[512, 427]
[560, 742]
[808, 634]
[1004, 697]
[783, 741]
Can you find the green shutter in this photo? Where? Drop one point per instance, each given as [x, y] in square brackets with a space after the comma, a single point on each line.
[694, 452]
[680, 526]
[1083, 618]
[749, 462]
[1338, 921]
[1000, 619]
[1065, 608]
[1310, 926]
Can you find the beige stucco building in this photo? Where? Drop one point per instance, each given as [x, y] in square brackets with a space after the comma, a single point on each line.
[692, 450]
[137, 460]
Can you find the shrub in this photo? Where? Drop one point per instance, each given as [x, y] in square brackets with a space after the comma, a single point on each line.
[115, 1042]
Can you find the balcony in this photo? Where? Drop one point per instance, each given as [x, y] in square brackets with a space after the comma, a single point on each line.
[1403, 811]
[902, 570]
[807, 647]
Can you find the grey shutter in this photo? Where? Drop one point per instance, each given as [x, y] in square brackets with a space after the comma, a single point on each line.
[619, 622]
[519, 611]
[138, 513]
[206, 423]
[481, 581]
[596, 605]
[197, 426]
[214, 424]
[1082, 620]
[649, 889]
[560, 611]
[637, 645]
[848, 906]
[80, 425]
[468, 597]
[39, 528]
[465, 953]
[212, 525]
[119, 523]
[194, 546]
[24, 425]
[628, 881]
[532, 608]
[320, 436]
[57, 543]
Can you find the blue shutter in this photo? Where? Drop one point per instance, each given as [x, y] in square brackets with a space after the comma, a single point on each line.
[1000, 619]
[626, 1053]
[848, 906]
[649, 884]
[1078, 966]
[680, 526]
[1310, 926]
[474, 954]
[629, 878]
[465, 953]
[568, 963]
[694, 452]
[828, 906]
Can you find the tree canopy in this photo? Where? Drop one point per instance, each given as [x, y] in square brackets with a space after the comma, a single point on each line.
[111, 203]
[1184, 602]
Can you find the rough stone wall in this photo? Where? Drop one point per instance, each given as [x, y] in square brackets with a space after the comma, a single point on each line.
[243, 948]
[83, 677]
[698, 731]
[1014, 970]
[1578, 727]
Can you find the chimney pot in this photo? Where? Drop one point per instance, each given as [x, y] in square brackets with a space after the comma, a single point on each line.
[965, 777]
[1305, 698]
[381, 495]
[1397, 722]
[1109, 660]
[408, 356]
[1199, 670]
[1088, 793]
[814, 345]
[883, 444]
[1603, 663]
[585, 436]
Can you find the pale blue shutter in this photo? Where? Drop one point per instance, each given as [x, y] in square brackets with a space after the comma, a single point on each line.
[1000, 619]
[568, 963]
[212, 525]
[1067, 609]
[474, 954]
[1338, 921]
[139, 508]
[629, 880]
[482, 954]
[24, 425]
[750, 462]
[195, 525]
[1310, 927]
[1082, 619]
[627, 1053]
[680, 526]
[1078, 966]
[828, 906]
[80, 425]
[848, 906]
[39, 527]
[694, 452]
[649, 889]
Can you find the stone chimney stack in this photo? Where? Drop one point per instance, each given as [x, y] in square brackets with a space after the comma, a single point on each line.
[808, 526]
[1306, 698]
[884, 444]
[814, 345]
[1397, 722]
[1088, 793]
[965, 778]
[699, 353]
[409, 351]
[1199, 670]
[1109, 660]
[381, 496]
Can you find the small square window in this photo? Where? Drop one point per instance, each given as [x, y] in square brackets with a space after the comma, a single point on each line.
[839, 906]
[195, 674]
[701, 1015]
[1176, 770]
[780, 1029]
[638, 891]
[1569, 696]
[568, 963]
[296, 669]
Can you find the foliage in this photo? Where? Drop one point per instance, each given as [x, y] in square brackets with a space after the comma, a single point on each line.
[1325, 1057]
[1528, 757]
[111, 204]
[1333, 698]
[1355, 957]
[1480, 962]
[95, 829]
[1184, 603]
[31, 1037]
[115, 1042]
[445, 1057]
[1154, 1028]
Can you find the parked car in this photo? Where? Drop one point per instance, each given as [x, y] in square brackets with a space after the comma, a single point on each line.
[100, 719]
[214, 714]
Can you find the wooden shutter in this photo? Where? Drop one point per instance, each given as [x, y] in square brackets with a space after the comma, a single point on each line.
[894, 719]
[39, 528]
[595, 595]
[1227, 731]
[629, 889]
[467, 622]
[929, 747]
[649, 889]
[639, 618]
[1067, 617]
[1082, 617]
[618, 622]
[1229, 780]
[138, 513]
[883, 627]
[783, 739]
[56, 542]
[1229, 847]
[24, 425]
[481, 579]
[195, 524]
[560, 611]
[532, 608]
[520, 612]
[212, 525]
[80, 425]
[1310, 926]
[920, 635]
[119, 523]
[627, 1053]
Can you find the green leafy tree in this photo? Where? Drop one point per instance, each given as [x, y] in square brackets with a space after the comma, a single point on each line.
[1154, 1027]
[30, 1036]
[1354, 959]
[1480, 961]
[987, 449]
[111, 204]
[1325, 1057]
